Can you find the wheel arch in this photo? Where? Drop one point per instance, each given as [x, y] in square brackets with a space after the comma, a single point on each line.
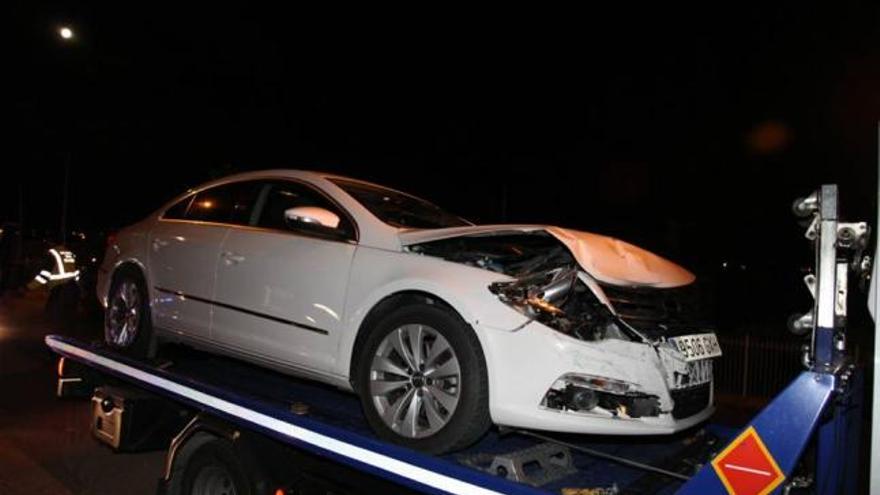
[132, 265]
[386, 306]
[202, 430]
[129, 264]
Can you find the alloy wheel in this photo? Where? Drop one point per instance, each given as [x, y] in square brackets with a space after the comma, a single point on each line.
[124, 314]
[415, 381]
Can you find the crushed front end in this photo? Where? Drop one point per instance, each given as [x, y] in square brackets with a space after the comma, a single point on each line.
[592, 355]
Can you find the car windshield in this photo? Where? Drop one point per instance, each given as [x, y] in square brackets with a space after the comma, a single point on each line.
[398, 209]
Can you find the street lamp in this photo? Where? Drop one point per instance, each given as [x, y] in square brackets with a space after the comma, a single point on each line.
[66, 34]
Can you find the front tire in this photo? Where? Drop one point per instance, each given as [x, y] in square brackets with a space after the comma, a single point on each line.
[422, 380]
[127, 322]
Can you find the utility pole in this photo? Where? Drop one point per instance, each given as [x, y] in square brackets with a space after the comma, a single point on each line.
[20, 205]
[64, 198]
[504, 194]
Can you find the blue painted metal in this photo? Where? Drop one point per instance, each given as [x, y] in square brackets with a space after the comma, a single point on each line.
[838, 442]
[785, 426]
[338, 414]
[436, 464]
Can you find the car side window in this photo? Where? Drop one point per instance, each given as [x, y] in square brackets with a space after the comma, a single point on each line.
[178, 211]
[281, 196]
[229, 203]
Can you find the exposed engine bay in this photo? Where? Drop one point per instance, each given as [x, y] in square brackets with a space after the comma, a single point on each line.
[551, 287]
[561, 299]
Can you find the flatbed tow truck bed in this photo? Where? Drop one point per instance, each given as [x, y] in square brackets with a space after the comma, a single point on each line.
[328, 423]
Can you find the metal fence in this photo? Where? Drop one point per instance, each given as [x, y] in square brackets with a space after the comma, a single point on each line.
[760, 366]
[757, 365]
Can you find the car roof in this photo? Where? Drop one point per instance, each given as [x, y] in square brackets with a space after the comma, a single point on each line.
[311, 175]
[308, 175]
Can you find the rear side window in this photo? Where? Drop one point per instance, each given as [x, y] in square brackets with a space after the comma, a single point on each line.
[178, 211]
[229, 203]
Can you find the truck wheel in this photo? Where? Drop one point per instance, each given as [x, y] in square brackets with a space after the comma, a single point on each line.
[421, 378]
[127, 322]
[214, 469]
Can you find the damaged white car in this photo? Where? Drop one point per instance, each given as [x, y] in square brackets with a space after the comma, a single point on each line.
[441, 327]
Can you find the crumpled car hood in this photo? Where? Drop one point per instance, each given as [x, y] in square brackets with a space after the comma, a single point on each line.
[606, 259]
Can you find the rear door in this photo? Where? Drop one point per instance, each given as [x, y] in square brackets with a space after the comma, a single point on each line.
[184, 251]
[281, 287]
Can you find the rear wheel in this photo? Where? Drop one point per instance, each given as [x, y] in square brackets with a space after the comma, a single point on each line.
[422, 380]
[127, 322]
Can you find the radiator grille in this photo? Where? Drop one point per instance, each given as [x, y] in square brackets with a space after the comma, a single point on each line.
[676, 310]
[690, 401]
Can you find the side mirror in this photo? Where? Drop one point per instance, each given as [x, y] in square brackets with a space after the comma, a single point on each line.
[312, 216]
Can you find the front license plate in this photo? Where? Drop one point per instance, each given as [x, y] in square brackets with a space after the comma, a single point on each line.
[699, 372]
[697, 346]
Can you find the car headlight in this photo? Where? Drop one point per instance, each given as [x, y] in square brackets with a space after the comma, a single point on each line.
[537, 292]
[559, 299]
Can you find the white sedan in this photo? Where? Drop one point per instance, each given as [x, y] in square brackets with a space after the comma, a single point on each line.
[440, 326]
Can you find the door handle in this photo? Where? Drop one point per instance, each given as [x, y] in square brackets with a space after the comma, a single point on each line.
[231, 258]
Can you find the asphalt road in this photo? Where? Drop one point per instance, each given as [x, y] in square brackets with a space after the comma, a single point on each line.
[45, 442]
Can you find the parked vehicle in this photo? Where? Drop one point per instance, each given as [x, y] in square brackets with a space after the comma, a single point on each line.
[440, 326]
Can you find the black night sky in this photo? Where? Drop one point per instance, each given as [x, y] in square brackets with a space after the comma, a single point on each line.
[689, 133]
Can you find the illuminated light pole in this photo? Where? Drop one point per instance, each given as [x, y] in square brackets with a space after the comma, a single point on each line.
[66, 34]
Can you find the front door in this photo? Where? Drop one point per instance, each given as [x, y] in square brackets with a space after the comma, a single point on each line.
[281, 286]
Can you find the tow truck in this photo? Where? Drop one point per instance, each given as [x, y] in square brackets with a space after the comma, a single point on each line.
[231, 428]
